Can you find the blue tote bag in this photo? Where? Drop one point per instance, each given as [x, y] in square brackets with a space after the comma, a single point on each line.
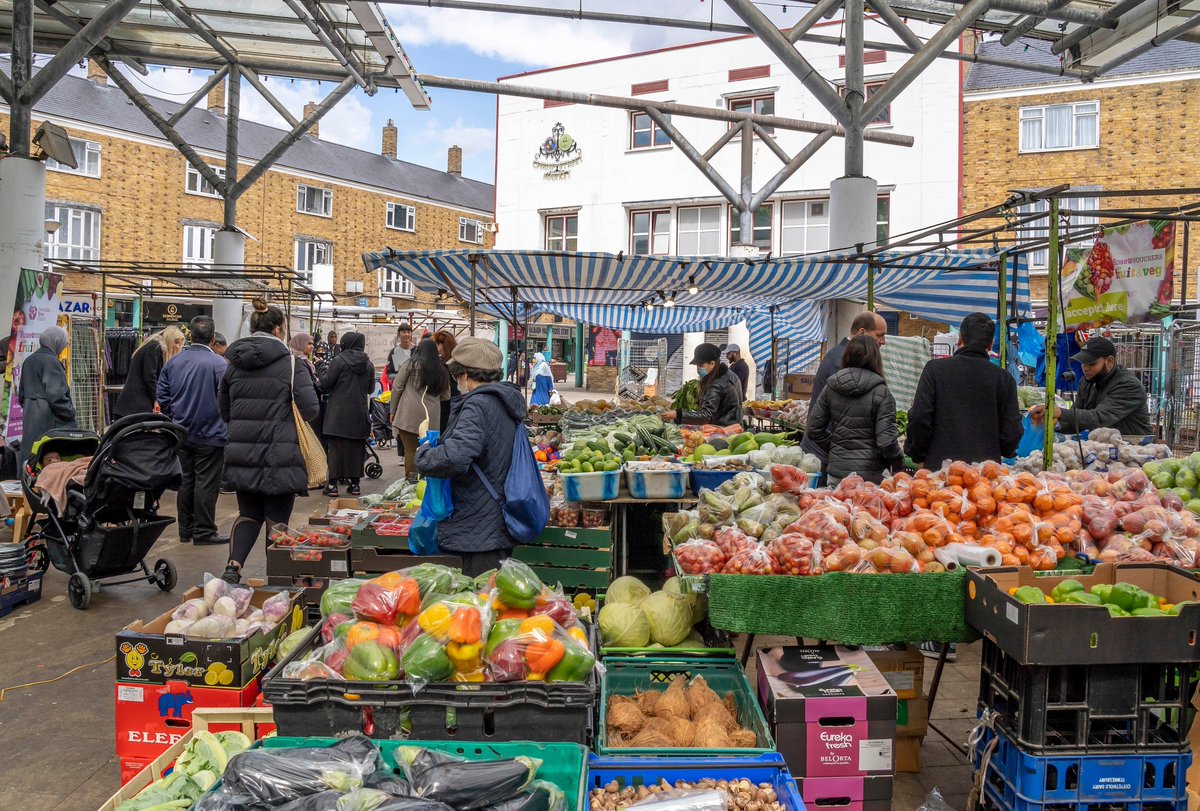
[436, 505]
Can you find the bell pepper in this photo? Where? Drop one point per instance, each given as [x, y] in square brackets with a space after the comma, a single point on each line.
[1149, 612]
[436, 621]
[579, 635]
[503, 630]
[1103, 591]
[1064, 588]
[467, 659]
[426, 661]
[543, 656]
[1113, 611]
[408, 597]
[576, 665]
[1179, 606]
[370, 661]
[1030, 595]
[517, 585]
[1080, 598]
[540, 626]
[1127, 597]
[466, 627]
[513, 614]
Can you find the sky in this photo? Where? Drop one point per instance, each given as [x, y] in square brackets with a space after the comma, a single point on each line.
[472, 45]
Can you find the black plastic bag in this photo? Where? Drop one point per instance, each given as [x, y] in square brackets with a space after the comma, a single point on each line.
[275, 776]
[541, 796]
[465, 785]
[388, 781]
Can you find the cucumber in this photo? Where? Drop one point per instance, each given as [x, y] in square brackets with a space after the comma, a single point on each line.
[599, 445]
[622, 437]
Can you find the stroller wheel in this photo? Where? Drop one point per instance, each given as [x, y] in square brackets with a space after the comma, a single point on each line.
[79, 591]
[374, 470]
[164, 574]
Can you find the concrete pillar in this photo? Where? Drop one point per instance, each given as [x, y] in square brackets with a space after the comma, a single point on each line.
[230, 249]
[852, 207]
[22, 223]
[691, 340]
[502, 330]
[739, 334]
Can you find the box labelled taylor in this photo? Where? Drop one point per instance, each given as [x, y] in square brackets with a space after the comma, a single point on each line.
[1042, 634]
[367, 560]
[305, 568]
[903, 666]
[151, 717]
[846, 793]
[148, 655]
[832, 712]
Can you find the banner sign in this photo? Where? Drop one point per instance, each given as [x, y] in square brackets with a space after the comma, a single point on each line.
[36, 308]
[1128, 275]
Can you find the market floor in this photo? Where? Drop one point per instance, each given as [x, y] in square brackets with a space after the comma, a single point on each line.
[56, 739]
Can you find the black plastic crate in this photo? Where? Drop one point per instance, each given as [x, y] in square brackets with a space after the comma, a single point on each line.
[1097, 708]
[516, 711]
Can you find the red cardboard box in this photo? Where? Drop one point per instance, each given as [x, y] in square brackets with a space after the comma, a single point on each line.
[151, 717]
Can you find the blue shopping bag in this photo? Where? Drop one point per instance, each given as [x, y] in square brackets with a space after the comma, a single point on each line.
[1033, 438]
[436, 505]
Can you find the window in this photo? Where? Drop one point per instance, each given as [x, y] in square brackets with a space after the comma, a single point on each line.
[650, 233]
[885, 115]
[401, 217]
[311, 252]
[470, 231]
[699, 231]
[1039, 260]
[762, 227]
[196, 184]
[883, 220]
[396, 285]
[762, 105]
[644, 133]
[78, 234]
[199, 244]
[1060, 126]
[562, 232]
[311, 200]
[87, 155]
[805, 227]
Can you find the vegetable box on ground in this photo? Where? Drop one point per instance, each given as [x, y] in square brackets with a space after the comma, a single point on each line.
[148, 655]
[310, 569]
[371, 561]
[523, 710]
[765, 770]
[630, 676]
[385, 531]
[1081, 634]
[633, 621]
[151, 717]
[856, 793]
[577, 559]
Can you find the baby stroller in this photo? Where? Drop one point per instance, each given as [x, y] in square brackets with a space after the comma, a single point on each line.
[381, 426]
[108, 525]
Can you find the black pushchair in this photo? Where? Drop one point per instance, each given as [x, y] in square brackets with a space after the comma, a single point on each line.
[381, 425]
[108, 526]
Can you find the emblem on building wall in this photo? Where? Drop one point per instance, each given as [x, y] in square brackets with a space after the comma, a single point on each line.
[557, 154]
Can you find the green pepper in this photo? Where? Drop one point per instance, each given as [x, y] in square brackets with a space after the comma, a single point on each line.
[1113, 611]
[1148, 612]
[1127, 597]
[426, 660]
[502, 631]
[1079, 598]
[1175, 609]
[370, 661]
[1060, 592]
[1103, 591]
[1030, 595]
[517, 585]
[576, 665]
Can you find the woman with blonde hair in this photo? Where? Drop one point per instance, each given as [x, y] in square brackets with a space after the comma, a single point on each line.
[137, 396]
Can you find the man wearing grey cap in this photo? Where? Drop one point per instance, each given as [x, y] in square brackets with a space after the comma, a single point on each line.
[738, 366]
[1110, 396]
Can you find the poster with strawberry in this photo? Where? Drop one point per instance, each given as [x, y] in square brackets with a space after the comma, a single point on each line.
[1127, 275]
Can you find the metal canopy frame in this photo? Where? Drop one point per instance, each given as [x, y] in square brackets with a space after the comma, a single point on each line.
[188, 280]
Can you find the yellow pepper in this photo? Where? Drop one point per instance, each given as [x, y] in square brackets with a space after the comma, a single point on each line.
[435, 621]
[467, 659]
[578, 635]
[541, 625]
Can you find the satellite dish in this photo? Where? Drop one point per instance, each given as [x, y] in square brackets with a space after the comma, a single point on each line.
[54, 142]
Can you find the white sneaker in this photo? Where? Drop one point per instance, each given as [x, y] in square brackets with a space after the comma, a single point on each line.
[932, 650]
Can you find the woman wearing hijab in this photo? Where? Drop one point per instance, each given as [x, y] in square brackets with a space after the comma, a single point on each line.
[137, 395]
[421, 387]
[349, 381]
[43, 392]
[446, 342]
[301, 346]
[543, 380]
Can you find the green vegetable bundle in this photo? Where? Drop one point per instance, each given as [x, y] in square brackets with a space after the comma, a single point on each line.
[688, 397]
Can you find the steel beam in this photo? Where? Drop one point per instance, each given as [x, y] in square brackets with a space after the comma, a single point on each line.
[745, 210]
[1112, 13]
[309, 18]
[1154, 42]
[789, 169]
[104, 44]
[294, 135]
[197, 27]
[856, 91]
[911, 69]
[822, 8]
[203, 92]
[19, 123]
[6, 88]
[80, 45]
[160, 123]
[257, 83]
[725, 138]
[1045, 9]
[897, 24]
[769, 141]
[692, 154]
[233, 116]
[779, 45]
[1026, 25]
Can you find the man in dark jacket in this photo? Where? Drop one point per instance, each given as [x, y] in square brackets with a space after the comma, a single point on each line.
[1110, 396]
[867, 323]
[483, 422]
[965, 408]
[733, 354]
[187, 393]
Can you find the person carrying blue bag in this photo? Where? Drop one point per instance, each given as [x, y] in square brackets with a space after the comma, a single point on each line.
[484, 452]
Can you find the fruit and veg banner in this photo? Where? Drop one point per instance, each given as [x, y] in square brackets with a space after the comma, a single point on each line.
[1128, 275]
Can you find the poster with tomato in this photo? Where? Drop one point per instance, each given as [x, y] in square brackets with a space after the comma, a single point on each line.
[1128, 275]
[36, 307]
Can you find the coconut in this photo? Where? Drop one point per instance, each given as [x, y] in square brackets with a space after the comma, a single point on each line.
[624, 717]
[673, 702]
[699, 695]
[717, 714]
[660, 725]
[711, 735]
[731, 704]
[744, 739]
[650, 739]
[646, 701]
[681, 731]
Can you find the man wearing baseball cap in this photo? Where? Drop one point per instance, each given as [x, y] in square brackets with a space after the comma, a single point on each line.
[1110, 396]
[733, 353]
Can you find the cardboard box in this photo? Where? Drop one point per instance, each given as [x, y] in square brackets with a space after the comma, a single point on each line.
[903, 666]
[831, 711]
[799, 386]
[370, 561]
[130, 766]
[846, 793]
[1085, 634]
[146, 655]
[336, 505]
[311, 570]
[151, 717]
[912, 717]
[908, 755]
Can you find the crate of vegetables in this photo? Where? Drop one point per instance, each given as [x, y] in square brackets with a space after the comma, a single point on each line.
[672, 622]
[382, 531]
[311, 568]
[762, 782]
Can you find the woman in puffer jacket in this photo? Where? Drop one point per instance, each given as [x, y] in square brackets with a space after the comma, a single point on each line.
[854, 419]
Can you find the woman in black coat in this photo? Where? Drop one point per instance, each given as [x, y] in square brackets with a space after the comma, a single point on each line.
[43, 392]
[720, 392]
[263, 463]
[348, 381]
[137, 395]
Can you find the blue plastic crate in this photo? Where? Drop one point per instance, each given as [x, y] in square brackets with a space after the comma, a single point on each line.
[1025, 781]
[29, 592]
[635, 772]
[994, 801]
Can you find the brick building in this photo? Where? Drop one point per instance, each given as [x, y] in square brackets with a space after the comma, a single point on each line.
[1133, 128]
[134, 197]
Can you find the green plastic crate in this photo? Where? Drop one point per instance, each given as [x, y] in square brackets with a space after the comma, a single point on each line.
[574, 580]
[564, 556]
[579, 537]
[563, 764]
[626, 676]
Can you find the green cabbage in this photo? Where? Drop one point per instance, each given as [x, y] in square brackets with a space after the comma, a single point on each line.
[695, 601]
[623, 626]
[670, 617]
[627, 590]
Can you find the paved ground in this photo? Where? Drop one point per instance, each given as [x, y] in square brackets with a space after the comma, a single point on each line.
[56, 740]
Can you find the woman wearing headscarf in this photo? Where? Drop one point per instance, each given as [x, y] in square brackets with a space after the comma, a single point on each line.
[137, 395]
[422, 385]
[446, 342]
[348, 381]
[43, 392]
[301, 347]
[543, 380]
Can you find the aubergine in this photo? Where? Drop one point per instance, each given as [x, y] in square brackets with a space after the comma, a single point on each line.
[541, 796]
[387, 781]
[276, 776]
[412, 804]
[469, 786]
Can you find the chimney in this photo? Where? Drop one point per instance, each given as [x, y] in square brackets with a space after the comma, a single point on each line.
[96, 73]
[389, 140]
[216, 99]
[454, 160]
[314, 131]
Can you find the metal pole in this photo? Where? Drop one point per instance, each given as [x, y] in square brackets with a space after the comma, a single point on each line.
[871, 287]
[774, 358]
[76, 49]
[22, 69]
[1184, 258]
[692, 154]
[1052, 293]
[1162, 39]
[474, 268]
[855, 89]
[745, 212]
[234, 97]
[1002, 309]
[200, 93]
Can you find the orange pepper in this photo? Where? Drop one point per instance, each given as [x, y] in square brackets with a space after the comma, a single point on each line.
[543, 656]
[466, 628]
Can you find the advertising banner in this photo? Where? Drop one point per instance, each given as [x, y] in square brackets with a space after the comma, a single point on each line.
[36, 308]
[1128, 275]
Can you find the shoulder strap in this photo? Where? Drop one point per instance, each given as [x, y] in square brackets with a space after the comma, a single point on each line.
[486, 484]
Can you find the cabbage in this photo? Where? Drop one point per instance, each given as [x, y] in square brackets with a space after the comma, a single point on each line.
[623, 626]
[628, 590]
[759, 458]
[670, 617]
[695, 601]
